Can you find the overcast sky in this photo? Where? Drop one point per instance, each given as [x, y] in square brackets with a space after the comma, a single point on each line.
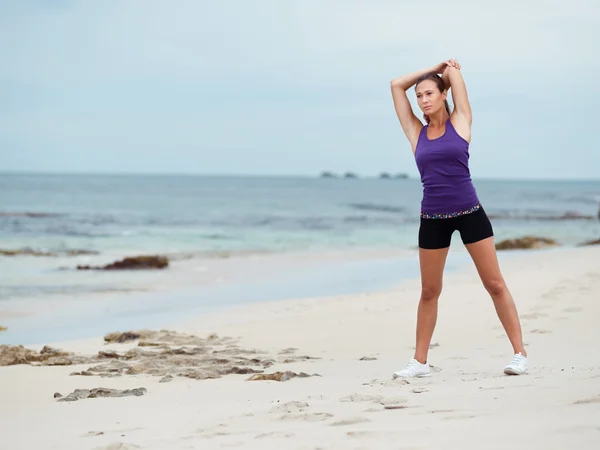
[282, 87]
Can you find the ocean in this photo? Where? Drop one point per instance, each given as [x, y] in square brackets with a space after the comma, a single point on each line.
[297, 237]
[167, 213]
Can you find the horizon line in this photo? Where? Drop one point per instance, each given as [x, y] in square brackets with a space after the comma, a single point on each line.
[336, 175]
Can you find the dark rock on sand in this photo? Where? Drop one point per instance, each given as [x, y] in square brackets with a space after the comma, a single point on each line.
[12, 355]
[164, 354]
[80, 394]
[593, 242]
[526, 242]
[125, 337]
[133, 263]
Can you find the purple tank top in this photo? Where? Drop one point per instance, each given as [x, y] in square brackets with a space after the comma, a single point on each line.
[444, 167]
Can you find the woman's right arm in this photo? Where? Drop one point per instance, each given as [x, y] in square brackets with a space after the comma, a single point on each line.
[409, 122]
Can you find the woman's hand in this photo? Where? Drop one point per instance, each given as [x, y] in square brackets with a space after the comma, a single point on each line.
[441, 67]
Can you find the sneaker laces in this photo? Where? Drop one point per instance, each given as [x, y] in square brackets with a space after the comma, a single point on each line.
[517, 359]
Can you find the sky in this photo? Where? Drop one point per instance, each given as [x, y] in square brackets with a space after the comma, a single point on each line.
[291, 88]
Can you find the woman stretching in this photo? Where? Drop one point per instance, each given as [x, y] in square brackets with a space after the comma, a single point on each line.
[450, 202]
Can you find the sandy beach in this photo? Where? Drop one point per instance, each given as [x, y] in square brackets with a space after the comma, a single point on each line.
[353, 343]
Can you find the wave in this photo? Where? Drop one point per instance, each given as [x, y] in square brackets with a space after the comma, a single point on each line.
[567, 215]
[33, 215]
[377, 208]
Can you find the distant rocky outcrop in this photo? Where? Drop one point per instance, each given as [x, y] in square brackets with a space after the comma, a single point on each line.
[526, 242]
[327, 174]
[33, 252]
[133, 263]
[350, 175]
[592, 242]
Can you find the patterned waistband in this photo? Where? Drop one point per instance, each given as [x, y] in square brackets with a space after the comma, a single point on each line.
[450, 215]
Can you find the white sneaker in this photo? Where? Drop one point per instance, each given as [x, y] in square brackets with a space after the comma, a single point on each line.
[517, 366]
[414, 369]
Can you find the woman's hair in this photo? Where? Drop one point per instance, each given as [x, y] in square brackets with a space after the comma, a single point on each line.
[440, 85]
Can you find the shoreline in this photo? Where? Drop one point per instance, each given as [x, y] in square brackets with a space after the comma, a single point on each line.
[227, 284]
[354, 342]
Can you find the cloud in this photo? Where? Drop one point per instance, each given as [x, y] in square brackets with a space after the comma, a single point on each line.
[216, 82]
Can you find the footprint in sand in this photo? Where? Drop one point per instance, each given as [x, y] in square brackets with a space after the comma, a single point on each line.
[361, 398]
[118, 446]
[532, 316]
[461, 416]
[350, 421]
[587, 401]
[290, 407]
[388, 383]
[540, 331]
[274, 434]
[93, 433]
[307, 417]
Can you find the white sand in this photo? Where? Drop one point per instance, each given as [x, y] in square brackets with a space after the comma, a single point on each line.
[468, 404]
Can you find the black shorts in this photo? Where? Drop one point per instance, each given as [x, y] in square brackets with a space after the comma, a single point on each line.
[437, 233]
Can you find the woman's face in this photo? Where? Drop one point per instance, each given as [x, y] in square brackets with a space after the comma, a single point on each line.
[429, 97]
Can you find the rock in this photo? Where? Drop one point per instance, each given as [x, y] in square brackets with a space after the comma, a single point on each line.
[111, 354]
[593, 242]
[526, 242]
[167, 355]
[84, 373]
[328, 175]
[80, 394]
[367, 358]
[280, 376]
[58, 361]
[133, 263]
[57, 395]
[127, 336]
[12, 355]
[350, 175]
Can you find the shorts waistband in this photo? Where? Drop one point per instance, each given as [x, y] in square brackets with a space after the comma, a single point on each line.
[425, 215]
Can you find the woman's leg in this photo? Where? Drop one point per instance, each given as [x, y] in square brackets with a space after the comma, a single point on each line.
[432, 264]
[485, 258]
[434, 242]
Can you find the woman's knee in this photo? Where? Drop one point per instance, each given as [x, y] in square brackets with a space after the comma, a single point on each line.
[430, 292]
[495, 286]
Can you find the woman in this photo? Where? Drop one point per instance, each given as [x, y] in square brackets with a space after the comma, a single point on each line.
[449, 203]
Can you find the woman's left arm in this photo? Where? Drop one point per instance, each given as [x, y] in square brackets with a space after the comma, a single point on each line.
[453, 80]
